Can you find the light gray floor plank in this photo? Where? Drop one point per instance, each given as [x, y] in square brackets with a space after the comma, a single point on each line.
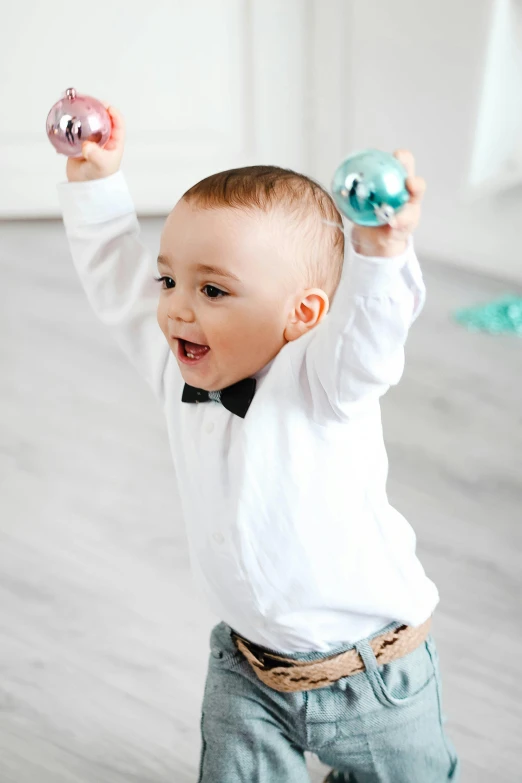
[103, 640]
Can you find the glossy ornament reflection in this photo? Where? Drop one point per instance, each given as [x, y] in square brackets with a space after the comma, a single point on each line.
[75, 119]
[369, 187]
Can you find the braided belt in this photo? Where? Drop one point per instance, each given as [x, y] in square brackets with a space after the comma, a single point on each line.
[288, 675]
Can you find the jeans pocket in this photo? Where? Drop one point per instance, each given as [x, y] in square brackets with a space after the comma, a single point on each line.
[202, 752]
[401, 682]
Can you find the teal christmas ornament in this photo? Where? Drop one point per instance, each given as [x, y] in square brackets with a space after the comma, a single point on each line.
[503, 316]
[369, 187]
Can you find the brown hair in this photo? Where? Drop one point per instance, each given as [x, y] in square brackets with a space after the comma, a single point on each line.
[265, 187]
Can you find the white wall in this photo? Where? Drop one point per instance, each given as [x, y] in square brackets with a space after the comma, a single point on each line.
[300, 83]
[203, 86]
[414, 77]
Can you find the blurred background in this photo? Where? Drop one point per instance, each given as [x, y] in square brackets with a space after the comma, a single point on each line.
[103, 639]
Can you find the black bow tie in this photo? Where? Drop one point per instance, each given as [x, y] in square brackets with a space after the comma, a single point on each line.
[235, 398]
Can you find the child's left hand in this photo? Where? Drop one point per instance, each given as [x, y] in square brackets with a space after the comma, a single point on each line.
[392, 240]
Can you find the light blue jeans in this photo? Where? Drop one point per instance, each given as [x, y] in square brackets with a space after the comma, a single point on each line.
[383, 725]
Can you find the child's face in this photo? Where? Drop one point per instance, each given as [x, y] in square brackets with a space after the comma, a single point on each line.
[228, 292]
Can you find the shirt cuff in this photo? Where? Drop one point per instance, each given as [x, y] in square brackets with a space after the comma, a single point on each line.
[371, 275]
[95, 201]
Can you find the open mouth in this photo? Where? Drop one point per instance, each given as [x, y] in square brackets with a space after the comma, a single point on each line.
[191, 353]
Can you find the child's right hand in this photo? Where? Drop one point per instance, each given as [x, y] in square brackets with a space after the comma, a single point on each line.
[99, 162]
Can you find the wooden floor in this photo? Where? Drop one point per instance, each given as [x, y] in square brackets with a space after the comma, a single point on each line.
[103, 640]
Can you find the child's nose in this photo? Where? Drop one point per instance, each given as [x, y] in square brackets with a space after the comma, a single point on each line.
[180, 308]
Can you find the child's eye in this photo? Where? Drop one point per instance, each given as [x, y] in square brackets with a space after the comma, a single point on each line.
[164, 281]
[212, 292]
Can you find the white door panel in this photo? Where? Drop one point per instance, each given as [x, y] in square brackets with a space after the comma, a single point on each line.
[203, 86]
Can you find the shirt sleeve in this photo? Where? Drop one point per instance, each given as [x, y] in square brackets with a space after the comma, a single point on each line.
[357, 353]
[115, 270]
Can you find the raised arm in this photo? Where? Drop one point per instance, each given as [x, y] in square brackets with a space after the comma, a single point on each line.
[115, 269]
[357, 353]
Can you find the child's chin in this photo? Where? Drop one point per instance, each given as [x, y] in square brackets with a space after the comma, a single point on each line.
[203, 378]
[194, 377]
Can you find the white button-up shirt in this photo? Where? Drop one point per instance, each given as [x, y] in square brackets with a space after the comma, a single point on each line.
[290, 531]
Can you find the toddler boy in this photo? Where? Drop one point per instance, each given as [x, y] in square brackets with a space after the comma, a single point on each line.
[269, 362]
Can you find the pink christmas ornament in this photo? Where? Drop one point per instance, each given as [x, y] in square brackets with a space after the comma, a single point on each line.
[75, 119]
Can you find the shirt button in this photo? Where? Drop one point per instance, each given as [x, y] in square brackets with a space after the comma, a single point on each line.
[210, 426]
[219, 538]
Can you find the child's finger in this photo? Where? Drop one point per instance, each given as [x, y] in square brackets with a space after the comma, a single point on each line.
[407, 218]
[417, 188]
[92, 152]
[118, 124]
[408, 161]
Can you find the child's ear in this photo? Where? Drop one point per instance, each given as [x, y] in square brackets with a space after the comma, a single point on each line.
[308, 311]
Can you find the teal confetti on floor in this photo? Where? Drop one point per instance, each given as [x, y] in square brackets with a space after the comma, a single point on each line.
[499, 317]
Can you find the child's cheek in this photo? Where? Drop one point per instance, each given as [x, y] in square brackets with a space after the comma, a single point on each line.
[161, 317]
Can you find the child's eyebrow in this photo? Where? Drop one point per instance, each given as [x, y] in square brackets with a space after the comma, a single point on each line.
[163, 260]
[204, 269]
